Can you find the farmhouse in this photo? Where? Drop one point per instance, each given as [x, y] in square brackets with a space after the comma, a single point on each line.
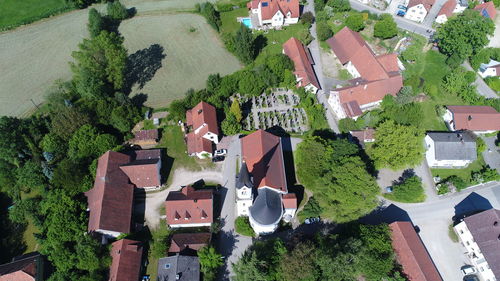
[479, 119]
[189, 207]
[490, 69]
[302, 60]
[179, 268]
[418, 9]
[202, 130]
[262, 192]
[479, 234]
[375, 76]
[411, 253]
[449, 149]
[487, 10]
[275, 13]
[146, 137]
[126, 262]
[189, 242]
[28, 267]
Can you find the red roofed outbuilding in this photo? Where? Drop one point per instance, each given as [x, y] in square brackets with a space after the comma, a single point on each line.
[479, 119]
[182, 242]
[126, 262]
[302, 62]
[189, 207]
[146, 137]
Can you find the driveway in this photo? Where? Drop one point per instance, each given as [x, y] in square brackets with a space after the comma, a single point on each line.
[492, 156]
[495, 39]
[482, 88]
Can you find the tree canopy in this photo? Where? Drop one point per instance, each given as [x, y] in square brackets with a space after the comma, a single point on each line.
[386, 27]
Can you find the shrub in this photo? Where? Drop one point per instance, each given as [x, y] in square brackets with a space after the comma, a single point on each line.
[385, 28]
[457, 181]
[311, 209]
[323, 30]
[242, 226]
[480, 145]
[355, 22]
[443, 189]
[408, 191]
[307, 18]
[348, 124]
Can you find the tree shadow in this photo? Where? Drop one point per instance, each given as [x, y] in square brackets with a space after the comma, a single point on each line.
[139, 99]
[259, 43]
[226, 243]
[472, 204]
[142, 66]
[11, 236]
[385, 214]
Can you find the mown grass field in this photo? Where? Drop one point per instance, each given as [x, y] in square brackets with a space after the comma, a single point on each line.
[229, 22]
[14, 13]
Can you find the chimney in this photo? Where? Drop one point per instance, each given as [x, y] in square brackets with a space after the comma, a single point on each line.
[364, 87]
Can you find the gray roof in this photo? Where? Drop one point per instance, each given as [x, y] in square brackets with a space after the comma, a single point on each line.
[187, 267]
[485, 228]
[243, 179]
[267, 208]
[453, 146]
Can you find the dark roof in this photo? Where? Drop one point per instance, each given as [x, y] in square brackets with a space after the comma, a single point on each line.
[267, 207]
[411, 253]
[485, 228]
[26, 266]
[187, 267]
[243, 178]
[193, 241]
[127, 260]
[453, 146]
[143, 135]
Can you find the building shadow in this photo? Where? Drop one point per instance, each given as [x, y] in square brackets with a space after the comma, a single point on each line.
[142, 66]
[166, 165]
[472, 204]
[385, 214]
[226, 243]
[139, 210]
[11, 236]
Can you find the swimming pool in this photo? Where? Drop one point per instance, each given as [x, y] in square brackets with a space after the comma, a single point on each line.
[247, 22]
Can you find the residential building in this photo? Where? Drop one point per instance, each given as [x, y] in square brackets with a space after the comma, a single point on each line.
[187, 243]
[302, 60]
[479, 119]
[202, 130]
[480, 235]
[446, 11]
[411, 253]
[28, 267]
[146, 137]
[418, 9]
[363, 136]
[189, 207]
[143, 168]
[275, 13]
[375, 76]
[262, 191]
[126, 262]
[179, 268]
[461, 6]
[490, 69]
[487, 10]
[450, 149]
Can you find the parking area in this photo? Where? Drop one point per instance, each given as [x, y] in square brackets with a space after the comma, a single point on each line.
[393, 6]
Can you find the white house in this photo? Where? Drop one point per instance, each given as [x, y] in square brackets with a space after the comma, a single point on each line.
[490, 69]
[275, 13]
[418, 9]
[479, 234]
[450, 149]
[203, 130]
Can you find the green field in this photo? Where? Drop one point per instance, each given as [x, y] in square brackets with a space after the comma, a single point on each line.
[14, 13]
[229, 22]
[276, 38]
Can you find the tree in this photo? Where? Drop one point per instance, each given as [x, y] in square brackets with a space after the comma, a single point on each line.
[307, 18]
[236, 110]
[30, 176]
[311, 208]
[244, 44]
[12, 145]
[323, 31]
[278, 63]
[208, 11]
[117, 10]
[230, 126]
[348, 124]
[299, 264]
[405, 95]
[410, 190]
[88, 143]
[96, 22]
[386, 27]
[464, 34]
[124, 117]
[250, 268]
[250, 83]
[339, 5]
[355, 22]
[67, 121]
[397, 146]
[210, 260]
[214, 83]
[480, 145]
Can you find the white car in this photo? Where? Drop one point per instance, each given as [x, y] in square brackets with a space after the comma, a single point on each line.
[468, 269]
[311, 220]
[220, 152]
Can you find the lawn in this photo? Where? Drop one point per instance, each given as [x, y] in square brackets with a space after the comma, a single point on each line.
[229, 23]
[462, 173]
[276, 39]
[494, 83]
[14, 13]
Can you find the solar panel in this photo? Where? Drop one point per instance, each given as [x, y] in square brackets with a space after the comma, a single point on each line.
[264, 4]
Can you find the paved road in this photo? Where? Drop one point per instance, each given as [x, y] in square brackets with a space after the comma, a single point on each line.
[482, 87]
[492, 153]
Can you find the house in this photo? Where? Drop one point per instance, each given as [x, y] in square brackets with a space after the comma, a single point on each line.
[479, 119]
[302, 60]
[28, 267]
[490, 69]
[375, 76]
[461, 6]
[479, 234]
[189, 242]
[363, 136]
[179, 268]
[126, 262]
[450, 149]
[203, 130]
[110, 200]
[146, 137]
[446, 11]
[275, 13]
[487, 10]
[262, 192]
[411, 253]
[189, 207]
[418, 9]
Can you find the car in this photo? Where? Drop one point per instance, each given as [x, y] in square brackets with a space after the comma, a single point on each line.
[218, 159]
[468, 269]
[220, 152]
[311, 220]
[471, 277]
[401, 13]
[402, 7]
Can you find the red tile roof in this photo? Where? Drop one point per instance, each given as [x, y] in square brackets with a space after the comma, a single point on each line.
[284, 6]
[352, 109]
[203, 114]
[194, 241]
[389, 62]
[448, 8]
[146, 135]
[411, 253]
[197, 144]
[427, 4]
[487, 7]
[263, 154]
[144, 169]
[302, 61]
[362, 135]
[289, 201]
[189, 206]
[345, 44]
[110, 200]
[22, 268]
[475, 118]
[127, 260]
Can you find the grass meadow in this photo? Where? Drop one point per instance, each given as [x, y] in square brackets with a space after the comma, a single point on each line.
[14, 13]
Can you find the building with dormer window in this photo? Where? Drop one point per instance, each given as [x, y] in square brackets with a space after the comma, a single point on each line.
[275, 13]
[189, 207]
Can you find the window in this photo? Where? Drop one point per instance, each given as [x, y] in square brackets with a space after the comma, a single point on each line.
[467, 242]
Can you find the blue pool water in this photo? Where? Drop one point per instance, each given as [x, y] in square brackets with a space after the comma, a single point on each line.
[247, 22]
